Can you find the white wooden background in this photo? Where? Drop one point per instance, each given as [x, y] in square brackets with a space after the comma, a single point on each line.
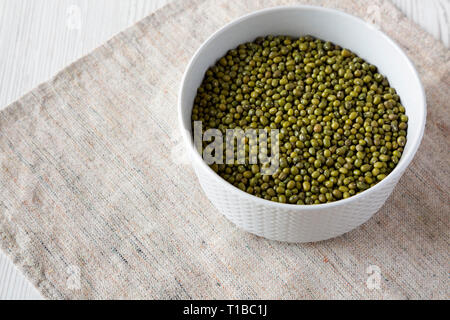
[40, 37]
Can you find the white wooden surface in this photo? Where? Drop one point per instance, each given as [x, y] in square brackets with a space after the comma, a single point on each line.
[40, 37]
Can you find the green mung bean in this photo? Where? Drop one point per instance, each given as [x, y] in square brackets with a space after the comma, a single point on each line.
[342, 127]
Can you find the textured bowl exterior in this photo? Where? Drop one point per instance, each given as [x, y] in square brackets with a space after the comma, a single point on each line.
[291, 223]
[304, 223]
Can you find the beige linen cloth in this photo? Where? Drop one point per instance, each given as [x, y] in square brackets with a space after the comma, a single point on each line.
[95, 201]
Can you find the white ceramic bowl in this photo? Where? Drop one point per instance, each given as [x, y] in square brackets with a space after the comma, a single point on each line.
[304, 223]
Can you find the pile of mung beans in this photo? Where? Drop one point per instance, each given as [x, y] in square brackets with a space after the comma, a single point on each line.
[342, 128]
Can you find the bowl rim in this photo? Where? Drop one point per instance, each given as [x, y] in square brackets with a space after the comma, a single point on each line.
[405, 160]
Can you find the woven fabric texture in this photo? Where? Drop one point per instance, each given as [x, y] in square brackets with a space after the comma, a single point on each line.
[96, 202]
